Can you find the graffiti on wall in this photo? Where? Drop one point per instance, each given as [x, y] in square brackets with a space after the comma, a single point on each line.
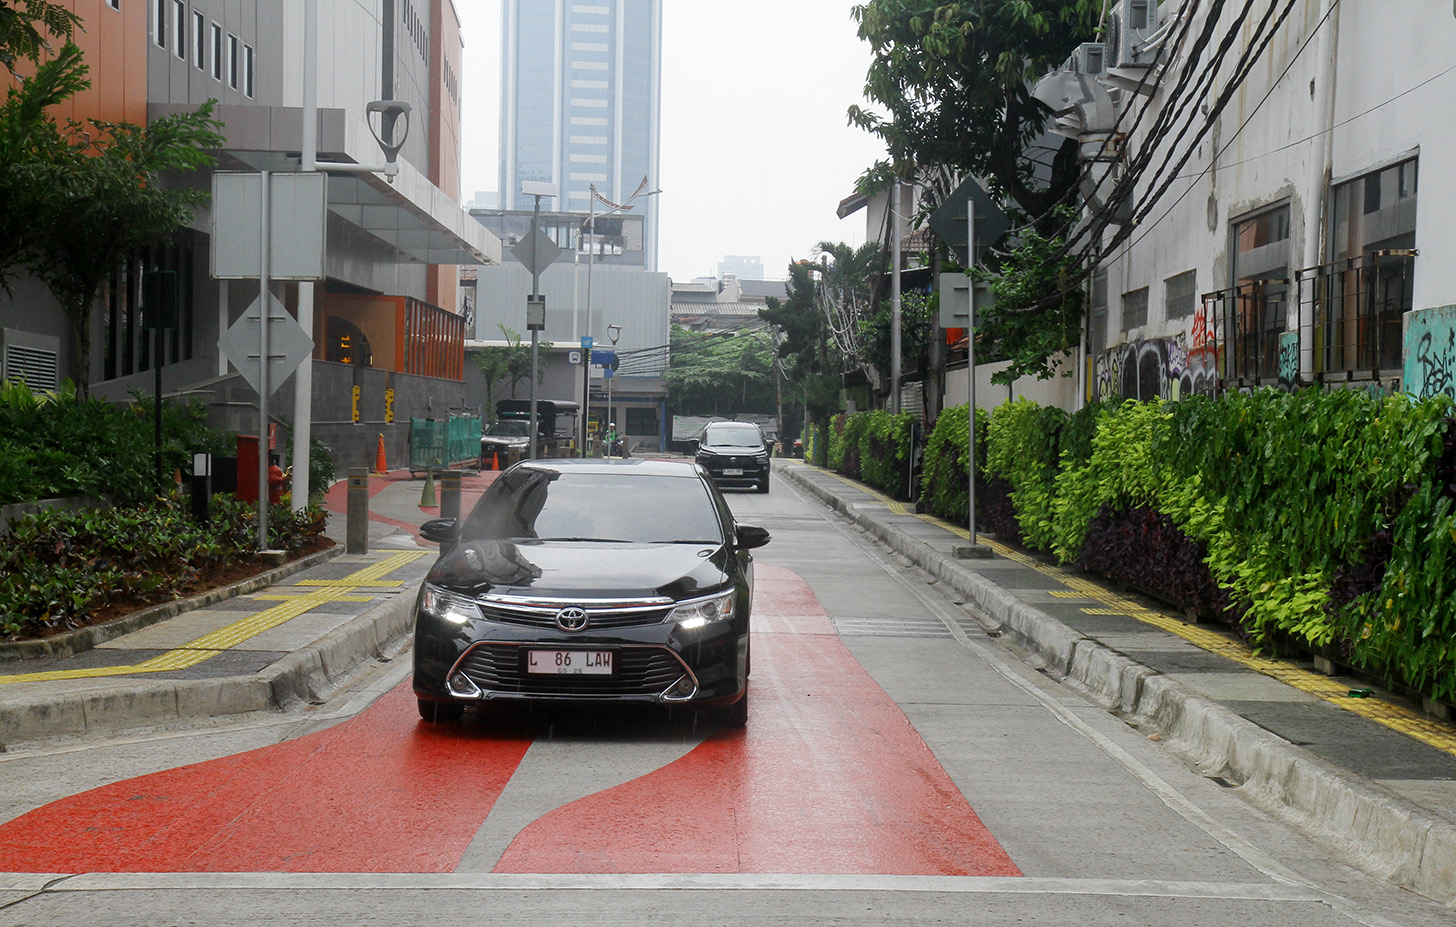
[1430, 352]
[1159, 368]
[1288, 360]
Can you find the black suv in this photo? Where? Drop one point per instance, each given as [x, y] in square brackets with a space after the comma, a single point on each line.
[734, 454]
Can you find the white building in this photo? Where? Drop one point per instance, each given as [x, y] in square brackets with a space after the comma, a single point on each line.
[1289, 226]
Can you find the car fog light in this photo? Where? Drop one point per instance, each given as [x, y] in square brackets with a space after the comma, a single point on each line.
[682, 690]
[461, 686]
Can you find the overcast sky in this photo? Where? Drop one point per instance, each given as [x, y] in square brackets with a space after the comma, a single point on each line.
[756, 151]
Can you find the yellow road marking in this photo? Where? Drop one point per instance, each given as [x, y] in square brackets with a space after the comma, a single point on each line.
[210, 645]
[1396, 717]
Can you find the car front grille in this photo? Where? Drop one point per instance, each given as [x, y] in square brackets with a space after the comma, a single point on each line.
[601, 613]
[641, 672]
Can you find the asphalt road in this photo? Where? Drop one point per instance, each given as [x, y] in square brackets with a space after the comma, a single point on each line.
[900, 765]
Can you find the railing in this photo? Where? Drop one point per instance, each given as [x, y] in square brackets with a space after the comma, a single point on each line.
[1356, 308]
[435, 444]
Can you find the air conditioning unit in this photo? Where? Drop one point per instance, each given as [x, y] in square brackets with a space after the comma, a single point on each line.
[1089, 58]
[1129, 26]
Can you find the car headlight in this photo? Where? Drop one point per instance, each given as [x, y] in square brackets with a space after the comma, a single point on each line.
[449, 606]
[696, 613]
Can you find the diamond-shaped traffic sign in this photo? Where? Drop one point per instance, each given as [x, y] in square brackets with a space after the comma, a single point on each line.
[538, 256]
[288, 344]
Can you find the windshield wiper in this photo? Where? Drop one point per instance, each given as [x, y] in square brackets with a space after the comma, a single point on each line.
[601, 540]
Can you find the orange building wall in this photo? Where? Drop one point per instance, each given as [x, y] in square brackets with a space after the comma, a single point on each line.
[114, 46]
[442, 283]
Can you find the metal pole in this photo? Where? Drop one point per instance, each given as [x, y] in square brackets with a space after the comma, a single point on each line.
[303, 378]
[895, 297]
[971, 370]
[266, 316]
[535, 333]
[157, 411]
[591, 237]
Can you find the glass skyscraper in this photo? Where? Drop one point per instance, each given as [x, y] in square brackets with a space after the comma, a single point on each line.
[581, 90]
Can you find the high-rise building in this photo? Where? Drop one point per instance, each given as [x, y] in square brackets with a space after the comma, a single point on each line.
[581, 93]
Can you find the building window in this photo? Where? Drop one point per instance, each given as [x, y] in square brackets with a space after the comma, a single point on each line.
[1360, 297]
[114, 4]
[159, 23]
[199, 40]
[1135, 309]
[179, 29]
[1258, 311]
[233, 64]
[216, 52]
[248, 71]
[1180, 295]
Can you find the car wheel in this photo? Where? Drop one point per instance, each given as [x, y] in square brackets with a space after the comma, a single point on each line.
[440, 711]
[736, 715]
[763, 484]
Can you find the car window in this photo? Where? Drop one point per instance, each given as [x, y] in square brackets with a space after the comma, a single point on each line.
[512, 429]
[741, 435]
[531, 503]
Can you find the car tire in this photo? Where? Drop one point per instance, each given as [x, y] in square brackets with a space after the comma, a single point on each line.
[440, 712]
[763, 484]
[736, 715]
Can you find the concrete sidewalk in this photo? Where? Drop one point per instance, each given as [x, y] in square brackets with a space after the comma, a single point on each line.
[292, 634]
[1369, 774]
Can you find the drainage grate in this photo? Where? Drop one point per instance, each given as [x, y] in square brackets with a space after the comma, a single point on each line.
[891, 627]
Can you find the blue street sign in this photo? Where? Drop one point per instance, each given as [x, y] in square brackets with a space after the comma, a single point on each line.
[586, 343]
[603, 358]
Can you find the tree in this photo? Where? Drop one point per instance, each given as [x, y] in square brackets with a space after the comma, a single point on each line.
[846, 293]
[24, 25]
[812, 363]
[955, 82]
[720, 373]
[29, 141]
[509, 363]
[101, 197]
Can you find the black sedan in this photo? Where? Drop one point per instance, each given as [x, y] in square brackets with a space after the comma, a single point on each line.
[734, 454]
[589, 581]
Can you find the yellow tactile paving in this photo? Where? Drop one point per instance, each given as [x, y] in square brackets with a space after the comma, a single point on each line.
[1396, 717]
[209, 645]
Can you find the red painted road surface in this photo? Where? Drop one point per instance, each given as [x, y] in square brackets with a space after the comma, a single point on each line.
[829, 777]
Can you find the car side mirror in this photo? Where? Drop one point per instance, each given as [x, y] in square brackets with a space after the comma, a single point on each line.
[751, 536]
[440, 530]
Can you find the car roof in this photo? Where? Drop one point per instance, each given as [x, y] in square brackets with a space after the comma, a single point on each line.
[634, 465]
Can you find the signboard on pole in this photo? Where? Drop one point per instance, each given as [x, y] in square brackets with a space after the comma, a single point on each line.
[296, 226]
[288, 344]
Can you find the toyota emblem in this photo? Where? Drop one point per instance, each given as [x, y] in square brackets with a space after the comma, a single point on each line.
[572, 619]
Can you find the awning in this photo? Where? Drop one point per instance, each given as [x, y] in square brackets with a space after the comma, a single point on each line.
[411, 216]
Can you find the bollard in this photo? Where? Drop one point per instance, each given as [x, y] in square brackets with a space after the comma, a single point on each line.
[450, 494]
[356, 535]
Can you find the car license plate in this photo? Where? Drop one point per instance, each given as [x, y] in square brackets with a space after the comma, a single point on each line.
[732, 472]
[569, 662]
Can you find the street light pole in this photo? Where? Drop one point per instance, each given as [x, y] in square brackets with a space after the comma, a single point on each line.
[613, 333]
[535, 305]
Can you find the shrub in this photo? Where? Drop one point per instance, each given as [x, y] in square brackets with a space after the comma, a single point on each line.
[59, 567]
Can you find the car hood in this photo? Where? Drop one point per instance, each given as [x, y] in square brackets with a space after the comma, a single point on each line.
[584, 568]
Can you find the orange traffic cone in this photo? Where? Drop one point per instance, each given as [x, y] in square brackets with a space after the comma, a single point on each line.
[488, 462]
[379, 466]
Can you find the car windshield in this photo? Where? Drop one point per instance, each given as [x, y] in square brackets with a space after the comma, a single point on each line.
[634, 507]
[510, 429]
[737, 435]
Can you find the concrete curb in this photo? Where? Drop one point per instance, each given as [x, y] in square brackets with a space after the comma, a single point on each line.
[308, 674]
[70, 643]
[1370, 826]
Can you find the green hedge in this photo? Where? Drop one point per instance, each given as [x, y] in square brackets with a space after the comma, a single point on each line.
[63, 445]
[873, 447]
[1327, 517]
[59, 567]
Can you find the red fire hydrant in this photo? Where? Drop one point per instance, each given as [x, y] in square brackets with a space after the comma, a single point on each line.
[276, 479]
